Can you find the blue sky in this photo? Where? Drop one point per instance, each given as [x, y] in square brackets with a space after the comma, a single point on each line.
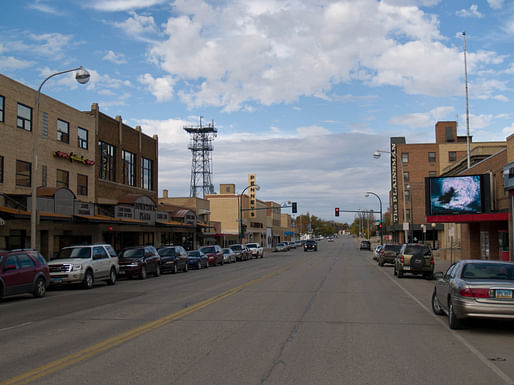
[302, 92]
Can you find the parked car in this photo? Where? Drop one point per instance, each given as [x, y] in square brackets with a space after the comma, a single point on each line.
[229, 255]
[215, 254]
[330, 238]
[281, 246]
[84, 264]
[173, 259]
[242, 253]
[139, 261]
[415, 259]
[475, 289]
[197, 259]
[388, 254]
[256, 250]
[310, 244]
[376, 252]
[23, 271]
[365, 245]
[292, 244]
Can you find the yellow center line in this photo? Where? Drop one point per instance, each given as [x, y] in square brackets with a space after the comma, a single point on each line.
[107, 344]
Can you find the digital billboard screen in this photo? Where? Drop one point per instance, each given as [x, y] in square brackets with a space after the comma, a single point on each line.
[455, 195]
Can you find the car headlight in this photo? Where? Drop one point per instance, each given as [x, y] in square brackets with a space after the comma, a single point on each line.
[77, 267]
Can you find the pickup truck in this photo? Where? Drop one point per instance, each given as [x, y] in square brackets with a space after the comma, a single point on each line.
[256, 250]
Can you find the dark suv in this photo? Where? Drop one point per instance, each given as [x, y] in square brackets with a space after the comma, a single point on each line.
[139, 261]
[23, 271]
[415, 259]
[173, 259]
[310, 244]
[388, 253]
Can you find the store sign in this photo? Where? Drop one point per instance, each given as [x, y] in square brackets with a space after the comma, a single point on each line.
[74, 158]
[143, 209]
[394, 181]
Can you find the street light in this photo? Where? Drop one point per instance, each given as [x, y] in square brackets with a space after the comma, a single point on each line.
[257, 187]
[82, 76]
[368, 193]
[377, 155]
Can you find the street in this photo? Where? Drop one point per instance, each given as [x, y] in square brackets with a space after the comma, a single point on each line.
[300, 318]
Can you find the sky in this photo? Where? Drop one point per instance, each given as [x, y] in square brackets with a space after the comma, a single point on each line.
[302, 92]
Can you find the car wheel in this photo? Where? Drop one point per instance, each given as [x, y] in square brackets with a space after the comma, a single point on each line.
[40, 288]
[436, 306]
[112, 277]
[400, 273]
[142, 275]
[395, 272]
[88, 280]
[158, 271]
[453, 322]
[175, 270]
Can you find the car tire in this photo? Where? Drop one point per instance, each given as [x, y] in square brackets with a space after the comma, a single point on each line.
[453, 322]
[417, 262]
[175, 270]
[400, 273]
[142, 275]
[436, 306]
[395, 272]
[88, 281]
[186, 268]
[158, 271]
[112, 277]
[199, 265]
[39, 288]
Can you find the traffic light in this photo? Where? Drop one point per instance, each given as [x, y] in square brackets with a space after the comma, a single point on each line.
[294, 208]
[337, 211]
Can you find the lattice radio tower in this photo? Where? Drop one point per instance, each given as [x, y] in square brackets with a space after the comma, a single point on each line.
[201, 167]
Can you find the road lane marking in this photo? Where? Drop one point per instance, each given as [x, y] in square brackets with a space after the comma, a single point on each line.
[110, 343]
[504, 376]
[16, 326]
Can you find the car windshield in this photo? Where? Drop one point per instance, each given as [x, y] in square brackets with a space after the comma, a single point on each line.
[251, 246]
[227, 251]
[208, 249]
[236, 247]
[395, 248]
[132, 253]
[310, 242]
[167, 252]
[417, 251]
[193, 253]
[75, 252]
[493, 271]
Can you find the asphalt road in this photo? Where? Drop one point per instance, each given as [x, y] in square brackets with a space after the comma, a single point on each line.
[326, 317]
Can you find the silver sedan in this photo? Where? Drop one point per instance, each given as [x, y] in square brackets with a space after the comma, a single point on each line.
[475, 289]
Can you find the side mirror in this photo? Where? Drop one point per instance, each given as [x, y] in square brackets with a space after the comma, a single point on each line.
[438, 275]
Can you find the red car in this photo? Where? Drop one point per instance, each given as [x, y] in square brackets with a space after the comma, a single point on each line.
[23, 271]
[215, 254]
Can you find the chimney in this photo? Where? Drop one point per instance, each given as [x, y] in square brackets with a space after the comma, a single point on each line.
[165, 194]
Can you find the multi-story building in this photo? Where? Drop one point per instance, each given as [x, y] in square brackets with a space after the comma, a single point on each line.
[419, 160]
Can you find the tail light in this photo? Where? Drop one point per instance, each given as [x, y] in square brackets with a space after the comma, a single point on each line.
[474, 293]
[432, 260]
[383, 253]
[402, 259]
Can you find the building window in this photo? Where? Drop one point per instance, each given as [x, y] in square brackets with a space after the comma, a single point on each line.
[405, 157]
[43, 175]
[129, 168]
[2, 108]
[407, 195]
[405, 176]
[1, 169]
[82, 136]
[431, 157]
[63, 131]
[432, 173]
[62, 178]
[24, 117]
[81, 184]
[23, 173]
[146, 173]
[407, 214]
[452, 156]
[107, 161]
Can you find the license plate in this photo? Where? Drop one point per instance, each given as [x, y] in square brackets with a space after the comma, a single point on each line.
[502, 293]
[57, 280]
[406, 267]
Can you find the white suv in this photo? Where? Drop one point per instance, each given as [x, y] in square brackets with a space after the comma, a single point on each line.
[85, 264]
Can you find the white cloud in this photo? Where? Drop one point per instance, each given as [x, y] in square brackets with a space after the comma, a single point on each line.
[115, 57]
[41, 6]
[507, 131]
[423, 119]
[139, 26]
[305, 132]
[471, 12]
[495, 4]
[161, 88]
[122, 5]
[9, 63]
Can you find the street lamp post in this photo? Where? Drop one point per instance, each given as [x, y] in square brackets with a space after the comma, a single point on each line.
[380, 201]
[376, 155]
[433, 235]
[82, 76]
[257, 187]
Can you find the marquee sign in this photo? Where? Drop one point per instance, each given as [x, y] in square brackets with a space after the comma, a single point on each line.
[74, 158]
[394, 181]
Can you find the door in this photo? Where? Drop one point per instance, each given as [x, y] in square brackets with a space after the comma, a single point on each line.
[11, 275]
[27, 271]
[100, 262]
